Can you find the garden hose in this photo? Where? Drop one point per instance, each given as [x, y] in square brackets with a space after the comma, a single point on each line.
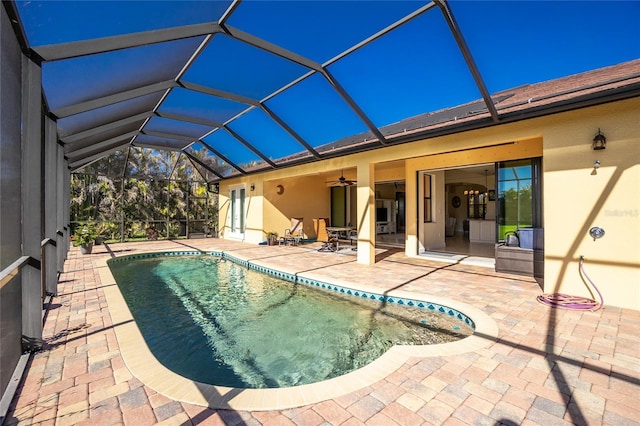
[566, 301]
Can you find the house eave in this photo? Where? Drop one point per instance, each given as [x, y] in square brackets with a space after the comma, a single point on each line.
[481, 121]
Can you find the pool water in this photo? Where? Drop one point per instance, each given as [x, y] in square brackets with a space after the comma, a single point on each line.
[223, 324]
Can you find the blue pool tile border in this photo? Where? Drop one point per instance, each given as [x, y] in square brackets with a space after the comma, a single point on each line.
[164, 254]
[294, 278]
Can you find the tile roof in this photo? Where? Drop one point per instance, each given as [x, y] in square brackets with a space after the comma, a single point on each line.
[521, 102]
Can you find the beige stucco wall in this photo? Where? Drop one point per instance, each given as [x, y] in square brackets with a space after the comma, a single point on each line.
[574, 199]
[304, 197]
[389, 171]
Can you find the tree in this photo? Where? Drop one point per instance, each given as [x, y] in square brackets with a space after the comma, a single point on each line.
[148, 188]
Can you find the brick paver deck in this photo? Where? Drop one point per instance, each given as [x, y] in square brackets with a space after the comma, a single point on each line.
[546, 366]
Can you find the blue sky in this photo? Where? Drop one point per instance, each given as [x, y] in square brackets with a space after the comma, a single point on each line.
[416, 68]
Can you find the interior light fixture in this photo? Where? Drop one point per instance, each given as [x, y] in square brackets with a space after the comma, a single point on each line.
[599, 141]
[475, 191]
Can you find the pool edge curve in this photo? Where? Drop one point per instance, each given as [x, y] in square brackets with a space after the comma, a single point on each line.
[146, 368]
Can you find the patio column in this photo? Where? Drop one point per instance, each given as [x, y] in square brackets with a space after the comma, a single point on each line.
[365, 213]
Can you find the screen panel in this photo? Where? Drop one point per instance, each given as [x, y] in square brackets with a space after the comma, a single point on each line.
[569, 43]
[108, 114]
[53, 22]
[423, 71]
[227, 145]
[71, 81]
[176, 127]
[198, 105]
[351, 23]
[316, 111]
[233, 66]
[266, 135]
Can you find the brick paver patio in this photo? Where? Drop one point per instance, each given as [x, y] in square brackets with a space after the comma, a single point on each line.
[547, 366]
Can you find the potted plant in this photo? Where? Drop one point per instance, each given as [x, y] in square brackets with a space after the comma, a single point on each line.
[105, 231]
[272, 238]
[85, 236]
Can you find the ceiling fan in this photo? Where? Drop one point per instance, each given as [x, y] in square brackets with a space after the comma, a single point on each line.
[342, 181]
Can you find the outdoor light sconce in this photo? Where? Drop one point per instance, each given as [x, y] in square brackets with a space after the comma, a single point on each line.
[599, 142]
[252, 187]
[279, 189]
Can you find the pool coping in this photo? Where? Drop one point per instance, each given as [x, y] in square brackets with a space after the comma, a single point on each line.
[146, 368]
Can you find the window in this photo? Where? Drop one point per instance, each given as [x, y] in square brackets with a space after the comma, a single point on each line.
[476, 205]
[428, 204]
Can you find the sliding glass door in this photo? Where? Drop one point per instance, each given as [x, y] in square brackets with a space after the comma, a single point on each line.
[519, 195]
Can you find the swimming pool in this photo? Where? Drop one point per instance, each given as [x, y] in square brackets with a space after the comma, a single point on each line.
[215, 354]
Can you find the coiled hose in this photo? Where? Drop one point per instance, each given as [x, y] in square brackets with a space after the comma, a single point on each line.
[566, 301]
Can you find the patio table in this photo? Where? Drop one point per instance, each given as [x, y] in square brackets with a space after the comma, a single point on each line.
[340, 232]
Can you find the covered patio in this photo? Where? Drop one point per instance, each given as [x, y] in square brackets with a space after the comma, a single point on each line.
[543, 365]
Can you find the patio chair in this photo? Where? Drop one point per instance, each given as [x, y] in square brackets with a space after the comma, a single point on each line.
[329, 241]
[294, 235]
